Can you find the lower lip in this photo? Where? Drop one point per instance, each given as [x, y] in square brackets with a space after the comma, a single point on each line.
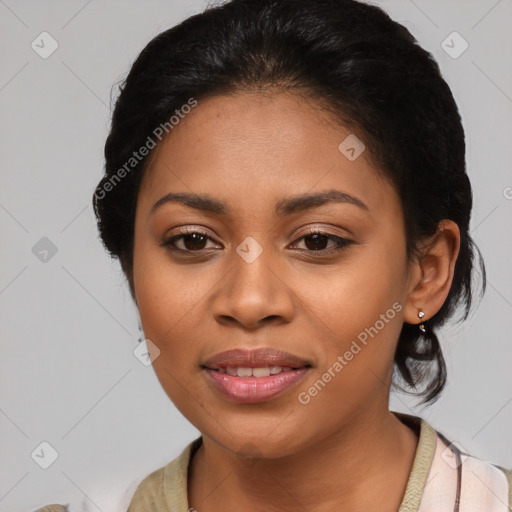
[250, 390]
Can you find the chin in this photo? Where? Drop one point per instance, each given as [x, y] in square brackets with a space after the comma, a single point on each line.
[252, 446]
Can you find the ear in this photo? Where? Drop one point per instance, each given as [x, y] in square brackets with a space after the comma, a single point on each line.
[431, 273]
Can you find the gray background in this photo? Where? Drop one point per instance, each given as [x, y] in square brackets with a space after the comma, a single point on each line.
[69, 328]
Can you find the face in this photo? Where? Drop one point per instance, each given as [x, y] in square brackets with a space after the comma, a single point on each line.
[322, 279]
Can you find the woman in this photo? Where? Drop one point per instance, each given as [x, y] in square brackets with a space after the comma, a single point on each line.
[286, 192]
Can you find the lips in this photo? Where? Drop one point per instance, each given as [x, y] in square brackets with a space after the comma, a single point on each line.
[257, 358]
[252, 376]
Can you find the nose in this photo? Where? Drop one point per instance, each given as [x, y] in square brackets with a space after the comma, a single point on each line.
[254, 294]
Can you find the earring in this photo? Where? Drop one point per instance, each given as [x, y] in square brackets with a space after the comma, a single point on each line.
[141, 335]
[421, 314]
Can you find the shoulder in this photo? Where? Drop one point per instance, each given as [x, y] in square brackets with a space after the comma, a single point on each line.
[165, 489]
[446, 477]
[485, 484]
[148, 496]
[489, 479]
[149, 493]
[53, 508]
[473, 482]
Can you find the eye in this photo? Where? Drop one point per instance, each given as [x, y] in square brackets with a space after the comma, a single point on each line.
[316, 241]
[194, 240]
[190, 239]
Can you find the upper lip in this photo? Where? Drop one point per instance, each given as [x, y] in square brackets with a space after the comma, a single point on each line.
[256, 358]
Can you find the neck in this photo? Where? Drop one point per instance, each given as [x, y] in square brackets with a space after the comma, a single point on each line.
[364, 465]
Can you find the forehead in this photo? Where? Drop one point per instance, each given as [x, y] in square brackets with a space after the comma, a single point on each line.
[252, 149]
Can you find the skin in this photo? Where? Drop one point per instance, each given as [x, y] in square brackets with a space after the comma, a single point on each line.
[249, 151]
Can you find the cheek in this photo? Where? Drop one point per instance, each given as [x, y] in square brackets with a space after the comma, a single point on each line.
[352, 296]
[168, 300]
[166, 296]
[358, 310]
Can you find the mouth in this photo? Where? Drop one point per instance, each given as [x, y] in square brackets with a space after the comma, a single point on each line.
[258, 372]
[260, 358]
[251, 376]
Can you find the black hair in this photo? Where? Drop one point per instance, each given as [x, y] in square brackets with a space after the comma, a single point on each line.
[356, 62]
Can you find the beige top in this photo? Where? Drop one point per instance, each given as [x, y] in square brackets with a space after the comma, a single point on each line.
[442, 479]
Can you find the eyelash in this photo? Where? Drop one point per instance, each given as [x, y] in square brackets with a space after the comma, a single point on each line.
[342, 242]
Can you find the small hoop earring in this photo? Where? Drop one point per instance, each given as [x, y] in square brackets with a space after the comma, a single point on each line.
[421, 314]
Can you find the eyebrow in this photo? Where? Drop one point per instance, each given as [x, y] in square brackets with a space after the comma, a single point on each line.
[283, 207]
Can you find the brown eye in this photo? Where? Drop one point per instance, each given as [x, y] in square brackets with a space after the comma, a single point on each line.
[188, 241]
[194, 241]
[317, 241]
